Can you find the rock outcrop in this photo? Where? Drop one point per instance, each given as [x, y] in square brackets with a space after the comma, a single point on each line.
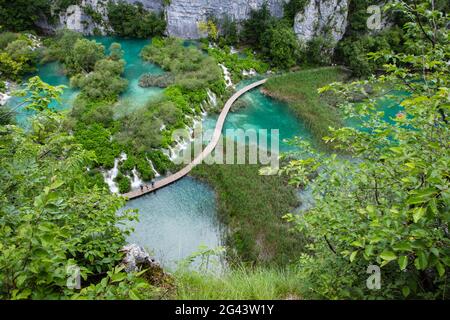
[322, 17]
[318, 17]
[78, 17]
[183, 16]
[137, 259]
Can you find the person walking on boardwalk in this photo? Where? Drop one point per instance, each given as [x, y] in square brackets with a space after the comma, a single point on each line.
[153, 184]
[142, 188]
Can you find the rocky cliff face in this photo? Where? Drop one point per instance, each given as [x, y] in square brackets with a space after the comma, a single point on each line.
[183, 16]
[321, 17]
[318, 17]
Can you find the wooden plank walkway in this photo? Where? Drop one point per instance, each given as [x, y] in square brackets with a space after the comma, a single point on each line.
[209, 148]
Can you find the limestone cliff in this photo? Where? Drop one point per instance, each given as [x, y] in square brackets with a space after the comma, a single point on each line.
[321, 17]
[317, 18]
[183, 16]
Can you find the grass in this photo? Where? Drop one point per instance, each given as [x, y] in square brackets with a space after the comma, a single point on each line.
[252, 206]
[238, 284]
[299, 91]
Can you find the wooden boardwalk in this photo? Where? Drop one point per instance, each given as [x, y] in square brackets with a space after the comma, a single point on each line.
[209, 148]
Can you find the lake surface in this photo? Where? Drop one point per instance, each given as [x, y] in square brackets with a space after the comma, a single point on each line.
[134, 97]
[175, 221]
[178, 219]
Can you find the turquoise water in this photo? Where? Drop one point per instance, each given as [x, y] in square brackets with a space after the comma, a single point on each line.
[53, 74]
[134, 97]
[262, 112]
[176, 220]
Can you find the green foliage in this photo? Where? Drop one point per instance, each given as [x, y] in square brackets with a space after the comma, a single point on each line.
[291, 8]
[96, 138]
[60, 46]
[140, 163]
[7, 116]
[192, 69]
[274, 38]
[240, 283]
[6, 38]
[252, 205]
[116, 52]
[353, 52]
[281, 46]
[390, 207]
[299, 90]
[319, 51]
[51, 216]
[160, 80]
[236, 63]
[253, 29]
[209, 28]
[104, 83]
[228, 31]
[95, 15]
[17, 59]
[160, 161]
[89, 112]
[62, 5]
[132, 20]
[123, 182]
[84, 56]
[118, 285]
[21, 15]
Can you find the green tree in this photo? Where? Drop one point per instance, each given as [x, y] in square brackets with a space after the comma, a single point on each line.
[20, 15]
[84, 56]
[253, 29]
[390, 204]
[52, 218]
[104, 83]
[281, 46]
[132, 20]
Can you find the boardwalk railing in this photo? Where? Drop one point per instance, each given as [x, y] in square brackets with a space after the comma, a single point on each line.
[198, 159]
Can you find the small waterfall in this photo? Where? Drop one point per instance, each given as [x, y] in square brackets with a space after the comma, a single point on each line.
[233, 50]
[248, 73]
[172, 154]
[212, 98]
[136, 182]
[153, 168]
[226, 75]
[163, 126]
[4, 98]
[111, 175]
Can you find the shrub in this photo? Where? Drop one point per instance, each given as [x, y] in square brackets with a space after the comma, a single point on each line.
[104, 83]
[132, 20]
[84, 56]
[160, 81]
[6, 38]
[123, 182]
